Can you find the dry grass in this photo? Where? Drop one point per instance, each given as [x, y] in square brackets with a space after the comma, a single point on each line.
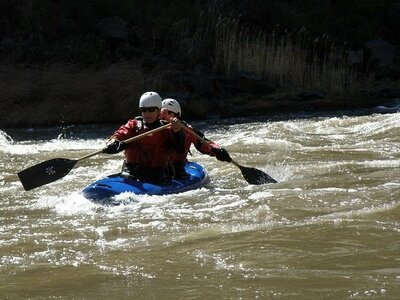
[287, 59]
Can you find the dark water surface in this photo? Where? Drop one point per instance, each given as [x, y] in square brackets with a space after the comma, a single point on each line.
[330, 229]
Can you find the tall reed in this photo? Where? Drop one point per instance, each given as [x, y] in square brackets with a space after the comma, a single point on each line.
[288, 59]
[194, 36]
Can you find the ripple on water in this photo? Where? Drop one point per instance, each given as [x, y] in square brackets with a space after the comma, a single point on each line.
[330, 222]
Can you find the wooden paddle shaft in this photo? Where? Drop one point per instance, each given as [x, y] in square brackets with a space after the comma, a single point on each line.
[130, 140]
[190, 131]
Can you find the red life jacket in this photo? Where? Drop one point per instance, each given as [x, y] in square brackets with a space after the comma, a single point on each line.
[152, 151]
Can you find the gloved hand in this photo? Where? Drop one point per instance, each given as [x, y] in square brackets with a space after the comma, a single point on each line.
[221, 154]
[114, 147]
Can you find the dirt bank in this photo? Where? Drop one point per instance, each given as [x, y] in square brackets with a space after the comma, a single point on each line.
[67, 94]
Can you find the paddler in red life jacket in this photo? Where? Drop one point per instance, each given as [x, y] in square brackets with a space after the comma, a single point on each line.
[170, 110]
[148, 158]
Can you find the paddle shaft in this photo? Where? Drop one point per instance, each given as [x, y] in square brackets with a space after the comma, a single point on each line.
[127, 141]
[188, 130]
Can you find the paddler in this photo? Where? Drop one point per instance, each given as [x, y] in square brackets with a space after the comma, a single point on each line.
[148, 158]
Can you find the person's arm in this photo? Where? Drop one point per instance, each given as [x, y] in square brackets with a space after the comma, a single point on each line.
[203, 146]
[125, 131]
[206, 146]
[115, 144]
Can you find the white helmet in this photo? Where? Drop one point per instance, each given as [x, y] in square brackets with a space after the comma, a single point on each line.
[150, 99]
[172, 105]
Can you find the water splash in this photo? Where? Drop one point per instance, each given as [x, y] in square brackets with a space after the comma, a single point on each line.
[5, 140]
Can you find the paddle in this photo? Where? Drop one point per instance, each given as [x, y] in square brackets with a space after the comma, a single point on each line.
[56, 168]
[251, 175]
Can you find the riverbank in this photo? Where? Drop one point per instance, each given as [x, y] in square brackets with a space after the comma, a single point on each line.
[227, 60]
[61, 94]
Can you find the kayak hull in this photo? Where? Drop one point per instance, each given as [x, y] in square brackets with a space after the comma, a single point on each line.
[116, 184]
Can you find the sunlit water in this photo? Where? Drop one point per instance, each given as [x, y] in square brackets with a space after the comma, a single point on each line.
[330, 229]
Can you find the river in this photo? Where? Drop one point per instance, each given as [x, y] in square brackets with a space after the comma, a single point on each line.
[330, 229]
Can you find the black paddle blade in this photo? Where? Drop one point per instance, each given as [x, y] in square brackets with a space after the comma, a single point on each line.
[255, 176]
[45, 172]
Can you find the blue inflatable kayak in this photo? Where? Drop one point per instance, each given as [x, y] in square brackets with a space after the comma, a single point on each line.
[113, 185]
